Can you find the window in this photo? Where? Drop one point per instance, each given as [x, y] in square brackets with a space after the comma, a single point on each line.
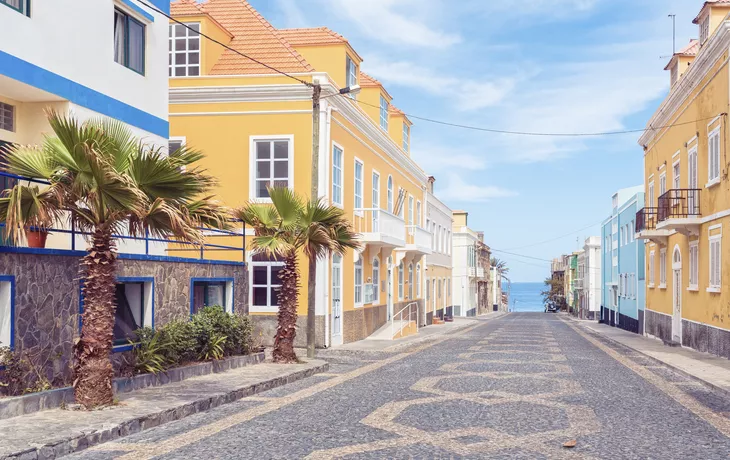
[663, 268]
[358, 184]
[411, 211]
[383, 113]
[337, 175]
[651, 269]
[448, 286]
[7, 117]
[438, 240]
[184, 50]
[272, 165]
[212, 292]
[419, 222]
[7, 311]
[129, 42]
[715, 263]
[676, 176]
[652, 203]
[418, 281]
[376, 202]
[705, 29]
[410, 282]
[714, 156]
[694, 266]
[674, 74]
[401, 203]
[390, 194]
[265, 282]
[175, 143]
[134, 308]
[351, 74]
[662, 184]
[22, 6]
[400, 281]
[621, 236]
[692, 180]
[428, 227]
[632, 231]
[358, 281]
[406, 137]
[376, 280]
[439, 288]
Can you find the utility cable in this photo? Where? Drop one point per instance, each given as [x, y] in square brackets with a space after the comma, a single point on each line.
[556, 238]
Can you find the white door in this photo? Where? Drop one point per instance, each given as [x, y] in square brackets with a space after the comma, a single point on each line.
[336, 299]
[677, 297]
[693, 201]
[376, 202]
[390, 288]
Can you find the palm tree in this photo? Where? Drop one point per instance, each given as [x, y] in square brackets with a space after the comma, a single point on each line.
[500, 265]
[104, 181]
[284, 229]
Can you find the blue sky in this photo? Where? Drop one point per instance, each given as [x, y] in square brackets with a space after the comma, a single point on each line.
[532, 65]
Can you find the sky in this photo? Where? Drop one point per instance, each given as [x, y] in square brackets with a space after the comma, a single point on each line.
[555, 66]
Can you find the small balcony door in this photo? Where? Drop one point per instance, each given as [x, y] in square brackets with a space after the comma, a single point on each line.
[376, 202]
[692, 182]
[336, 299]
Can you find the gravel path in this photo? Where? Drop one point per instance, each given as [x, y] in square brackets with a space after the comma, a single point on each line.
[516, 387]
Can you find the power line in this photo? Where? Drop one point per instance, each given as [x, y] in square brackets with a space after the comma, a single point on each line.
[556, 238]
[306, 83]
[430, 120]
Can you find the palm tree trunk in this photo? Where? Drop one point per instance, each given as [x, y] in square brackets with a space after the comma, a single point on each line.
[287, 328]
[92, 364]
[311, 319]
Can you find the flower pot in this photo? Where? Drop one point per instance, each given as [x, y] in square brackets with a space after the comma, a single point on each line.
[36, 238]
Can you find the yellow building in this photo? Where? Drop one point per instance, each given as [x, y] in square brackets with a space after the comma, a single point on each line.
[255, 125]
[688, 194]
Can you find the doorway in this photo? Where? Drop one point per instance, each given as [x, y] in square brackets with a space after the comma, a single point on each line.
[337, 299]
[390, 288]
[677, 296]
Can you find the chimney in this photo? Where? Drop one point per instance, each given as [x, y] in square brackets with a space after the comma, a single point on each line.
[480, 235]
[431, 180]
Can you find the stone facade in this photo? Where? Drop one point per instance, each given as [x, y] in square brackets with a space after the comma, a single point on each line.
[265, 330]
[706, 338]
[658, 325]
[362, 322]
[47, 305]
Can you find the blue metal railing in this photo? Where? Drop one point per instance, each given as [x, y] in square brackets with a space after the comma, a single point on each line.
[200, 249]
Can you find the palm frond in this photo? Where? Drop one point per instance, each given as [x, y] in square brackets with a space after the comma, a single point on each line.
[289, 206]
[27, 206]
[160, 177]
[207, 212]
[272, 245]
[162, 219]
[119, 144]
[185, 156]
[28, 161]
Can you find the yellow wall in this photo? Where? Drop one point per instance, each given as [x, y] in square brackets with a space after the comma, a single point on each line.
[436, 302]
[30, 121]
[370, 97]
[395, 127]
[694, 119]
[460, 219]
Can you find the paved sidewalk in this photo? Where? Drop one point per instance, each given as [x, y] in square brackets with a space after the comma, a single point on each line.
[709, 369]
[53, 433]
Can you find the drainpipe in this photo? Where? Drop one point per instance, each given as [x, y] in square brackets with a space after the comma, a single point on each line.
[328, 271]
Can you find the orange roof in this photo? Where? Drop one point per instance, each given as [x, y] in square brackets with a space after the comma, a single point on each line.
[368, 81]
[688, 51]
[395, 110]
[252, 36]
[312, 36]
[710, 2]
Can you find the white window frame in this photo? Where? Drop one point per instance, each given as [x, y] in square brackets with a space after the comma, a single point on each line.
[652, 197]
[8, 115]
[358, 291]
[662, 183]
[389, 186]
[663, 268]
[410, 282]
[173, 52]
[269, 307]
[694, 266]
[252, 163]
[652, 262]
[383, 113]
[411, 211]
[7, 311]
[376, 280]
[358, 186]
[418, 281]
[704, 28]
[351, 74]
[419, 213]
[341, 169]
[715, 275]
[181, 139]
[676, 175]
[401, 276]
[406, 137]
[714, 157]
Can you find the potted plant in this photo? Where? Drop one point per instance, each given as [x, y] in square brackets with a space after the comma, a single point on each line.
[36, 237]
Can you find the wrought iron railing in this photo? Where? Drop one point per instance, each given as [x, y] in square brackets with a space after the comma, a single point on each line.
[679, 203]
[646, 219]
[173, 247]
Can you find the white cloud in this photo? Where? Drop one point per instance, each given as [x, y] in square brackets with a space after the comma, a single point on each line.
[458, 190]
[466, 94]
[435, 159]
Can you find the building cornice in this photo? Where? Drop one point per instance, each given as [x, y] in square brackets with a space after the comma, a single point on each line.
[709, 54]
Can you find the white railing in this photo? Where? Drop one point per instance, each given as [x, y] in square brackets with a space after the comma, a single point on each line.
[403, 319]
[420, 237]
[373, 220]
[480, 272]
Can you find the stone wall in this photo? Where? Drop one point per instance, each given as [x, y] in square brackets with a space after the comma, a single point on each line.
[362, 322]
[265, 330]
[47, 290]
[705, 338]
[658, 325]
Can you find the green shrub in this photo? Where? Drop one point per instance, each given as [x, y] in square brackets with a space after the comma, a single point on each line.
[180, 343]
[215, 322]
[149, 354]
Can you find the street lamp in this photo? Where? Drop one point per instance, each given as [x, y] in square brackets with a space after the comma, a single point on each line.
[316, 97]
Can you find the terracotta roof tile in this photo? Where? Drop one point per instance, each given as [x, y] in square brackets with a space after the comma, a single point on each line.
[368, 81]
[312, 36]
[185, 8]
[692, 48]
[395, 110]
[252, 35]
[710, 2]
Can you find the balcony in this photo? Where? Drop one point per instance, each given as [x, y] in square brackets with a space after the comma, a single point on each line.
[679, 210]
[476, 272]
[379, 228]
[646, 226]
[418, 240]
[578, 283]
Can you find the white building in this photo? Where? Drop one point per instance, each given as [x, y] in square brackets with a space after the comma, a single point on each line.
[90, 58]
[439, 222]
[589, 270]
[466, 270]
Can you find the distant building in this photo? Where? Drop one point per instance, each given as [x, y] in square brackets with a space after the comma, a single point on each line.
[466, 269]
[439, 222]
[622, 274]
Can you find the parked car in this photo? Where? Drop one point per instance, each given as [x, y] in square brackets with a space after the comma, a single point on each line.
[551, 308]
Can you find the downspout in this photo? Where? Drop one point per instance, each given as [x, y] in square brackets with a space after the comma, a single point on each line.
[326, 189]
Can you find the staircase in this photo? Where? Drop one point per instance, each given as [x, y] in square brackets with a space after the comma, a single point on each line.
[403, 324]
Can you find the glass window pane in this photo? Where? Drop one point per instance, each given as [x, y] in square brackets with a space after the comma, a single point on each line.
[179, 71]
[263, 150]
[259, 296]
[281, 149]
[275, 280]
[261, 189]
[274, 292]
[180, 44]
[195, 26]
[281, 169]
[194, 71]
[216, 293]
[260, 275]
[194, 44]
[194, 58]
[136, 46]
[180, 58]
[281, 183]
[263, 170]
[180, 30]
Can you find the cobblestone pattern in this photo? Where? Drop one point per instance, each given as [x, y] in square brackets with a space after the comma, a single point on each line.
[47, 301]
[513, 388]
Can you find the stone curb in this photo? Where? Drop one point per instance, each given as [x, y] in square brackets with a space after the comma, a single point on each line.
[144, 422]
[707, 383]
[53, 399]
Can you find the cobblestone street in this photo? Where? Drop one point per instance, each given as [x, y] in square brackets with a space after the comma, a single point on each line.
[515, 387]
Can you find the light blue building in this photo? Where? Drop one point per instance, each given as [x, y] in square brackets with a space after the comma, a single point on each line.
[623, 274]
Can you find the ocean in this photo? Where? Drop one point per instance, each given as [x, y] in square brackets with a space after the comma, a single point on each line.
[526, 297]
